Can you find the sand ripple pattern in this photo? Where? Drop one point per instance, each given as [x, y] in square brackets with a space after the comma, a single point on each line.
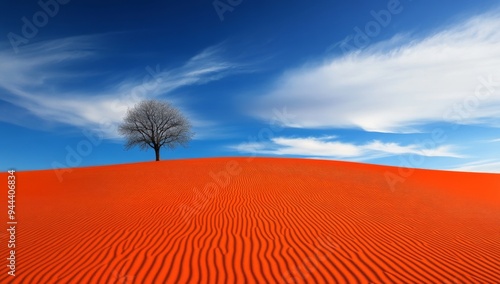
[271, 221]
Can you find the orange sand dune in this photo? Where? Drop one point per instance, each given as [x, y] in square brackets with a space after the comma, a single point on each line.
[262, 220]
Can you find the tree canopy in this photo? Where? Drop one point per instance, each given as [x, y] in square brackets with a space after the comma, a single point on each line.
[155, 124]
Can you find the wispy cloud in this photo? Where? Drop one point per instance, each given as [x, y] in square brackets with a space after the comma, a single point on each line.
[330, 147]
[451, 75]
[486, 166]
[36, 80]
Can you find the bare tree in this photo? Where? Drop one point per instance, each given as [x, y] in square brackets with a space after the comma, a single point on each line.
[155, 124]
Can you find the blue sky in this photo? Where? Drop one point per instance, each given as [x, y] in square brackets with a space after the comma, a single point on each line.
[404, 83]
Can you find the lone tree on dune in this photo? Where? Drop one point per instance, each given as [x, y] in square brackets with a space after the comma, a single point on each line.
[155, 124]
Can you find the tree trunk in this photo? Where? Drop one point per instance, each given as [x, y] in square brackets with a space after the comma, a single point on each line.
[157, 152]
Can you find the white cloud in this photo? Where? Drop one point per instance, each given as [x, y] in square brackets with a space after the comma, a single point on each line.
[36, 78]
[327, 147]
[314, 146]
[395, 89]
[485, 166]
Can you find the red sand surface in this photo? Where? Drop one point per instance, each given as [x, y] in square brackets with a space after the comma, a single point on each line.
[261, 221]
